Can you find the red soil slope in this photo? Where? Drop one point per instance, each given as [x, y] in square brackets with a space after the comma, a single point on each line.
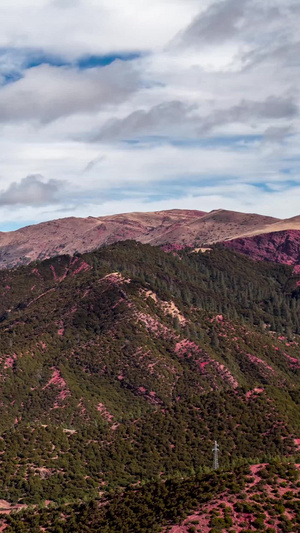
[174, 228]
[280, 247]
[270, 493]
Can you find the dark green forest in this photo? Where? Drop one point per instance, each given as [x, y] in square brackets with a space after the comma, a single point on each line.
[227, 499]
[122, 366]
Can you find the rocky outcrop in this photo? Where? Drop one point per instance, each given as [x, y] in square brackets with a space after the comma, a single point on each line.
[279, 247]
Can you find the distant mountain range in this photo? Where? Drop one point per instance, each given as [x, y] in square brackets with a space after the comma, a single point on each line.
[172, 229]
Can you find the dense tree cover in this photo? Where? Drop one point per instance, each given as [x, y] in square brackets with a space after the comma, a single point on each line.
[102, 387]
[217, 281]
[151, 508]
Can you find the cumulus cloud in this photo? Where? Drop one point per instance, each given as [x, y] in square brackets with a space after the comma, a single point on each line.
[32, 191]
[75, 28]
[232, 20]
[160, 120]
[177, 119]
[221, 21]
[47, 92]
[272, 108]
[285, 55]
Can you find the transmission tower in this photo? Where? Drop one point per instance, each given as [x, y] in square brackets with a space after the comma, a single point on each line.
[216, 451]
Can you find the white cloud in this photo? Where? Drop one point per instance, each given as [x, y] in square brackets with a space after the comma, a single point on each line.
[220, 80]
[32, 190]
[92, 26]
[245, 198]
[47, 92]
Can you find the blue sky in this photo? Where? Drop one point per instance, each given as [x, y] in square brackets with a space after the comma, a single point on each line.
[24, 59]
[110, 107]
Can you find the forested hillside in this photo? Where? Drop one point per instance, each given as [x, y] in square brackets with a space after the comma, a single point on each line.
[256, 498]
[123, 366]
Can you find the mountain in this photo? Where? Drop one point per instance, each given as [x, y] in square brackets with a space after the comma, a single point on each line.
[280, 247]
[172, 229]
[276, 226]
[121, 367]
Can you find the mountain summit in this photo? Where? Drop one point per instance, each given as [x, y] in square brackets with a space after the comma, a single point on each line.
[174, 228]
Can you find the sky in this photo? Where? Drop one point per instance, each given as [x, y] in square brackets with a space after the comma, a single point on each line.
[110, 106]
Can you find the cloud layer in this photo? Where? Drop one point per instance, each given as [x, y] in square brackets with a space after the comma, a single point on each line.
[31, 191]
[147, 105]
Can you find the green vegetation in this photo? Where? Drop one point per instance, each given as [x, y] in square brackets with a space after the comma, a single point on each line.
[109, 381]
[150, 508]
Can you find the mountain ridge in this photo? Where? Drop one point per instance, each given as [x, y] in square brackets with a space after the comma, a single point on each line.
[174, 228]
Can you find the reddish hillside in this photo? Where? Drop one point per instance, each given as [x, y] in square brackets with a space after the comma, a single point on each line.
[174, 228]
[279, 247]
[264, 504]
